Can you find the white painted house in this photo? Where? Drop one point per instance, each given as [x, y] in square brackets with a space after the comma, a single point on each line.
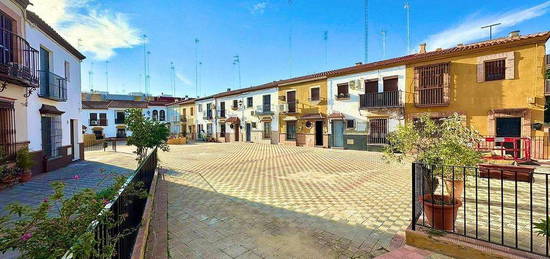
[365, 107]
[205, 117]
[39, 90]
[249, 115]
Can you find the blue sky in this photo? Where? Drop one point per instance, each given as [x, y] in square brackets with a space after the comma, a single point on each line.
[258, 31]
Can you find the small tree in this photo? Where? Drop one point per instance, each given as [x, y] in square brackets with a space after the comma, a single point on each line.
[435, 144]
[146, 133]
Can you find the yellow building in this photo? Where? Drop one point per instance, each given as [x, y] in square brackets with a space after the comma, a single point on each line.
[187, 117]
[303, 111]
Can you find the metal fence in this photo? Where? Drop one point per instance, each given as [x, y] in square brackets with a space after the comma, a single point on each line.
[494, 203]
[105, 145]
[130, 208]
[517, 148]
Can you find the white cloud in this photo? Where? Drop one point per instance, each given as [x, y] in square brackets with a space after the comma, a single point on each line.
[100, 32]
[184, 79]
[470, 29]
[259, 8]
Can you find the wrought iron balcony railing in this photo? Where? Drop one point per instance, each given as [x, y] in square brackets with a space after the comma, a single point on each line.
[381, 100]
[52, 86]
[265, 109]
[98, 122]
[119, 120]
[18, 60]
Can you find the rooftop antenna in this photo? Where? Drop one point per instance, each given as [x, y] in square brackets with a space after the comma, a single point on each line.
[290, 38]
[148, 76]
[366, 31]
[173, 78]
[197, 67]
[91, 77]
[408, 12]
[107, 74]
[490, 26]
[384, 33]
[144, 37]
[237, 62]
[200, 78]
[325, 39]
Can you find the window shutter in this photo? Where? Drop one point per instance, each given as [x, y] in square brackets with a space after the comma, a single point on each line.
[510, 66]
[416, 85]
[446, 82]
[481, 72]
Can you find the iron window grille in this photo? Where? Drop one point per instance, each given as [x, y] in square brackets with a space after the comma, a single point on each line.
[495, 70]
[290, 130]
[267, 130]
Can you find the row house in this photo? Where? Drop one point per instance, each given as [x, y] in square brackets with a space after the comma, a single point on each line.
[39, 90]
[497, 85]
[303, 111]
[248, 114]
[181, 118]
[364, 107]
[205, 119]
[106, 119]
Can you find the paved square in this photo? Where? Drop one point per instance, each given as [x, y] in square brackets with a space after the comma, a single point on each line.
[254, 200]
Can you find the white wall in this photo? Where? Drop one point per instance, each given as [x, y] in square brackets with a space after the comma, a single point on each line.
[350, 108]
[199, 120]
[71, 107]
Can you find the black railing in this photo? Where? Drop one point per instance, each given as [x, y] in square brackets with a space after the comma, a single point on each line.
[130, 208]
[183, 119]
[342, 96]
[292, 106]
[52, 86]
[98, 122]
[119, 120]
[381, 100]
[18, 60]
[264, 109]
[499, 204]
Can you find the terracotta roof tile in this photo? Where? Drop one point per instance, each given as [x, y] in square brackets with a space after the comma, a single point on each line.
[113, 104]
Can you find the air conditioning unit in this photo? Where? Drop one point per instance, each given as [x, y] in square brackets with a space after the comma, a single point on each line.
[252, 113]
[283, 107]
[93, 123]
[360, 84]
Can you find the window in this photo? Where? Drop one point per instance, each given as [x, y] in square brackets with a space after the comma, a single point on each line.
[209, 111]
[6, 23]
[235, 104]
[343, 91]
[93, 119]
[222, 109]
[495, 70]
[120, 117]
[209, 129]
[267, 130]
[162, 115]
[68, 71]
[98, 134]
[249, 102]
[432, 84]
[155, 115]
[378, 131]
[51, 135]
[7, 129]
[371, 86]
[390, 84]
[314, 94]
[291, 101]
[121, 133]
[266, 103]
[291, 130]
[200, 107]
[350, 124]
[191, 111]
[103, 119]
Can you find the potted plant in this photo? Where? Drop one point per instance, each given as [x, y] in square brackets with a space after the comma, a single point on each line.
[24, 163]
[8, 175]
[435, 146]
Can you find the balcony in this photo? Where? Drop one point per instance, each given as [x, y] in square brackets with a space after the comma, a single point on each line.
[265, 109]
[119, 120]
[381, 100]
[52, 86]
[221, 114]
[96, 122]
[18, 60]
[291, 107]
[183, 119]
[431, 97]
[342, 96]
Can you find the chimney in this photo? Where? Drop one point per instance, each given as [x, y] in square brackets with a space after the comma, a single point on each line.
[460, 45]
[229, 89]
[358, 63]
[513, 34]
[422, 48]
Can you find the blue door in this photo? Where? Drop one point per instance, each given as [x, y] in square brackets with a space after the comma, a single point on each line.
[338, 133]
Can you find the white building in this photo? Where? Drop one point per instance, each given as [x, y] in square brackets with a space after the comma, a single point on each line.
[364, 107]
[39, 91]
[248, 114]
[205, 117]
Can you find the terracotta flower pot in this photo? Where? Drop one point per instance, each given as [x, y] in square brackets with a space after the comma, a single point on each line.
[457, 186]
[9, 179]
[440, 211]
[25, 177]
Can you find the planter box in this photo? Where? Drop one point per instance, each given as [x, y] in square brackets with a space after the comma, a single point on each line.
[508, 172]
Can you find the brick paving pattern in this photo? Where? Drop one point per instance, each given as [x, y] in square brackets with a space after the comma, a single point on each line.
[239, 200]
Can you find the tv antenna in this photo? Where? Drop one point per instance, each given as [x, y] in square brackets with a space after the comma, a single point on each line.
[490, 26]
